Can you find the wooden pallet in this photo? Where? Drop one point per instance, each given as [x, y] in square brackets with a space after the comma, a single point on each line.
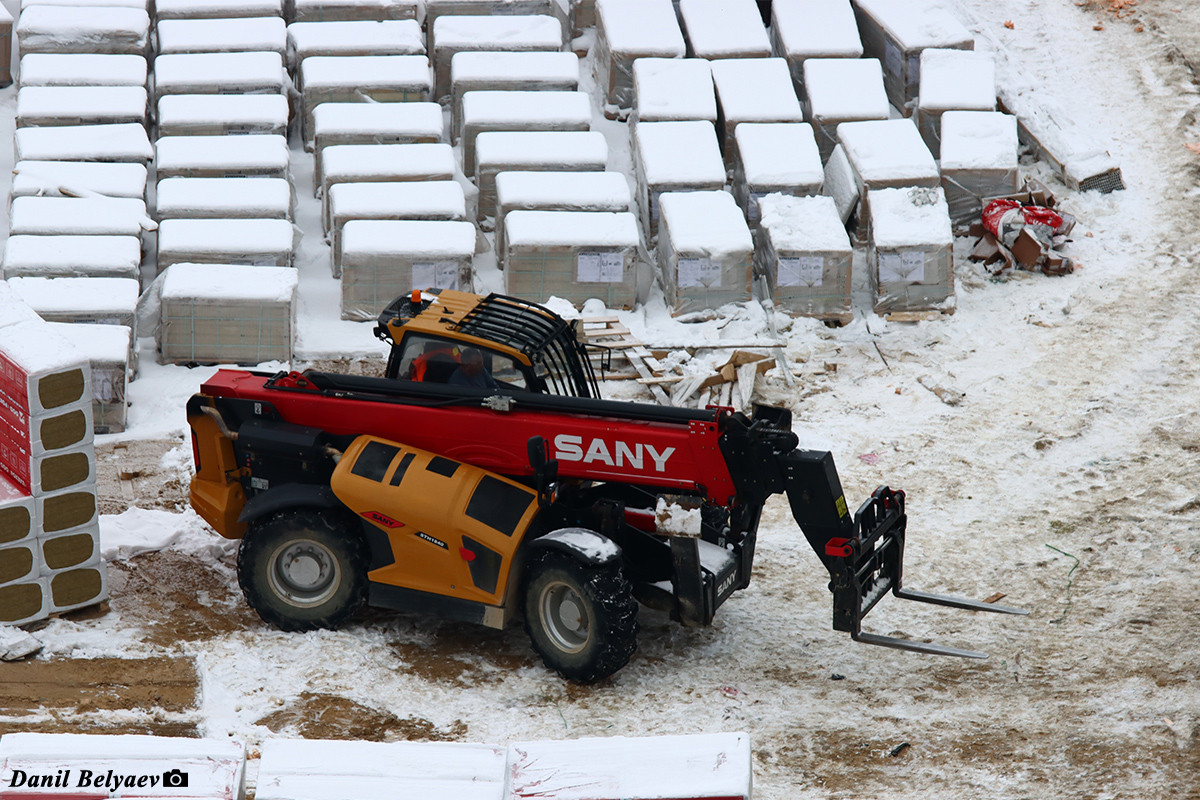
[630, 360]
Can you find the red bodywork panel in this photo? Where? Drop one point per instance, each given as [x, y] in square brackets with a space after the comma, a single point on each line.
[674, 456]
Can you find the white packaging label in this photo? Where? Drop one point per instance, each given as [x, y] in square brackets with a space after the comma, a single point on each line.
[435, 275]
[803, 271]
[699, 273]
[600, 268]
[901, 267]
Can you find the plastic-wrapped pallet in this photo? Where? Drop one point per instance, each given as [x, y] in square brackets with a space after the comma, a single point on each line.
[841, 90]
[717, 29]
[219, 73]
[372, 123]
[627, 30]
[125, 142]
[673, 89]
[338, 10]
[246, 242]
[350, 79]
[80, 105]
[979, 160]
[72, 257]
[6, 35]
[533, 151]
[952, 80]
[575, 255]
[78, 177]
[775, 157]
[886, 154]
[840, 184]
[495, 8]
[297, 769]
[458, 34]
[260, 156]
[803, 249]
[222, 114]
[254, 35]
[896, 31]
[213, 768]
[424, 200]
[558, 191]
[752, 90]
[379, 163]
[496, 71]
[582, 15]
[910, 260]
[705, 251]
[804, 29]
[353, 38]
[223, 198]
[674, 157]
[520, 111]
[383, 259]
[109, 351]
[82, 69]
[102, 301]
[227, 314]
[716, 765]
[67, 29]
[78, 216]
[216, 9]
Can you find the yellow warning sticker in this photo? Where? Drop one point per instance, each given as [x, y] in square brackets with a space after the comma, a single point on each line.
[841, 506]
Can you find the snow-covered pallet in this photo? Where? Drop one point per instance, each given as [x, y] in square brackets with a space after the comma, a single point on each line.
[420, 200]
[222, 114]
[78, 177]
[384, 259]
[109, 351]
[775, 157]
[227, 314]
[493, 8]
[558, 191]
[6, 36]
[520, 111]
[108, 301]
[705, 251]
[803, 250]
[261, 156]
[243, 242]
[458, 34]
[910, 260]
[372, 123]
[719, 29]
[752, 90]
[673, 89]
[674, 157]
[627, 30]
[72, 257]
[223, 198]
[885, 154]
[351, 79]
[841, 90]
[67, 29]
[498, 71]
[216, 9]
[252, 35]
[979, 160]
[125, 142]
[804, 29]
[80, 105]
[82, 69]
[78, 216]
[896, 32]
[533, 151]
[338, 10]
[219, 73]
[353, 38]
[952, 80]
[575, 255]
[383, 163]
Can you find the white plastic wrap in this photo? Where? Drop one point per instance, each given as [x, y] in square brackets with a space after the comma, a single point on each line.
[803, 249]
[83, 69]
[775, 157]
[627, 30]
[520, 111]
[705, 251]
[674, 157]
[350, 79]
[533, 151]
[499, 71]
[911, 254]
[979, 160]
[250, 35]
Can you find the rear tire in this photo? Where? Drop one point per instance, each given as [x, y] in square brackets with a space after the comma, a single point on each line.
[303, 569]
[581, 619]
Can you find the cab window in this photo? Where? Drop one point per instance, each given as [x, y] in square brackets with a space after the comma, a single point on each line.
[434, 360]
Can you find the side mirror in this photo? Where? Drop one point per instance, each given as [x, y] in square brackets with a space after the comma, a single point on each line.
[545, 469]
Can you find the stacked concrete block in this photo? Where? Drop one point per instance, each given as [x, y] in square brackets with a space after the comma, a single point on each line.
[419, 200]
[803, 250]
[717, 29]
[109, 351]
[499, 71]
[775, 157]
[674, 157]
[372, 123]
[533, 151]
[804, 29]
[453, 34]
[910, 258]
[705, 251]
[627, 30]
[350, 79]
[952, 80]
[339, 10]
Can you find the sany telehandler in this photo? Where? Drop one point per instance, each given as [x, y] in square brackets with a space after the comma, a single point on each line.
[516, 491]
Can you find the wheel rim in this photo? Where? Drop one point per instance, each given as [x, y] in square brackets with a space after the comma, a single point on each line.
[304, 572]
[565, 617]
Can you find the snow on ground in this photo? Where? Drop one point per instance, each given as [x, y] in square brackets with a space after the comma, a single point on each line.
[1065, 478]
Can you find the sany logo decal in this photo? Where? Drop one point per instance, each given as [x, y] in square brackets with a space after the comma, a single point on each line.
[570, 448]
[382, 519]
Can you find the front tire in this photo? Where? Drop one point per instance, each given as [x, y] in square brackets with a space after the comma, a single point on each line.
[303, 569]
[581, 619]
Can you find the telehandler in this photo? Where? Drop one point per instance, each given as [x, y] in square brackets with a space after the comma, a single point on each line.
[515, 491]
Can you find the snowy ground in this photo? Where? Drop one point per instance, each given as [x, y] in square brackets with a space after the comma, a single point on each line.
[1065, 479]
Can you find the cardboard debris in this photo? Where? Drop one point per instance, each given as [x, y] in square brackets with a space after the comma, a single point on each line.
[1033, 248]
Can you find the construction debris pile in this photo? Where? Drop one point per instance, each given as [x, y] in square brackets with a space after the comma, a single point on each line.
[1024, 231]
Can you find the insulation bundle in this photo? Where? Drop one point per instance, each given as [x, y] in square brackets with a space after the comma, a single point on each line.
[910, 259]
[803, 249]
[83, 69]
[380, 163]
[627, 30]
[520, 111]
[452, 34]
[804, 29]
[384, 259]
[42, 106]
[841, 90]
[338, 10]
[421, 200]
[223, 198]
[775, 157]
[705, 251]
[674, 157]
[79, 177]
[216, 9]
[256, 34]
[558, 191]
[244, 242]
[72, 257]
[498, 71]
[533, 151]
[575, 255]
[717, 29]
[109, 351]
[222, 114]
[17, 526]
[219, 73]
[78, 29]
[673, 89]
[227, 314]
[122, 142]
[351, 79]
[353, 38]
[261, 156]
[979, 160]
[372, 123]
[952, 80]
[103, 301]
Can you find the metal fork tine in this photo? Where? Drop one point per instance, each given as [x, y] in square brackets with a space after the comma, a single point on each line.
[917, 647]
[956, 602]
